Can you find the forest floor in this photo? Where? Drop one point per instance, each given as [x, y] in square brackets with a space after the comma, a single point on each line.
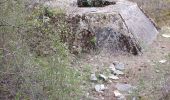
[26, 74]
[149, 72]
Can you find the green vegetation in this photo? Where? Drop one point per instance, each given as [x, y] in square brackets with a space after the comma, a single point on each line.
[35, 62]
[35, 58]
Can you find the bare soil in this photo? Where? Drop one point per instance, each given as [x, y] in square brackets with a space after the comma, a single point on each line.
[143, 71]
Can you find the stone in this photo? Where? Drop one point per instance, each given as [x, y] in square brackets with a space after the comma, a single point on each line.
[103, 77]
[134, 98]
[163, 61]
[113, 77]
[117, 93]
[100, 87]
[124, 87]
[166, 35]
[112, 67]
[157, 71]
[109, 81]
[118, 72]
[119, 65]
[122, 98]
[165, 32]
[93, 77]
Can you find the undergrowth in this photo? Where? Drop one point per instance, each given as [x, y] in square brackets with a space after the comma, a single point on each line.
[35, 63]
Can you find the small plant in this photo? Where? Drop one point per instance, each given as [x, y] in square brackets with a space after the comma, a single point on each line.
[37, 60]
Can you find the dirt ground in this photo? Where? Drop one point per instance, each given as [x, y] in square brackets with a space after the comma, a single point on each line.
[144, 71]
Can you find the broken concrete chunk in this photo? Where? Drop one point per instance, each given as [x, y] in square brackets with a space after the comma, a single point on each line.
[124, 87]
[157, 71]
[100, 87]
[117, 93]
[119, 65]
[163, 61]
[165, 31]
[166, 35]
[122, 98]
[93, 77]
[118, 72]
[109, 81]
[113, 77]
[112, 67]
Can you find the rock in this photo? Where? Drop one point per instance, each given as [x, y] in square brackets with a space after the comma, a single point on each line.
[134, 98]
[87, 94]
[157, 71]
[119, 65]
[117, 69]
[118, 72]
[165, 32]
[124, 87]
[103, 77]
[166, 35]
[100, 87]
[93, 77]
[112, 67]
[113, 77]
[163, 61]
[122, 98]
[117, 93]
[109, 81]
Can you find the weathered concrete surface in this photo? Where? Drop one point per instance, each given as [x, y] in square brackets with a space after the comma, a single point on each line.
[109, 29]
[137, 22]
[122, 26]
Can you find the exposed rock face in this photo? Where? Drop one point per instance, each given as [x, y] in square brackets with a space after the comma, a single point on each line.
[122, 26]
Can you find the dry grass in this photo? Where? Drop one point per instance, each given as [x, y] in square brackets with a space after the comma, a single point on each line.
[158, 10]
[34, 63]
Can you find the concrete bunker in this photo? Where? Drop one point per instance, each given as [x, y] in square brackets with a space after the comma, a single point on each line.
[120, 26]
